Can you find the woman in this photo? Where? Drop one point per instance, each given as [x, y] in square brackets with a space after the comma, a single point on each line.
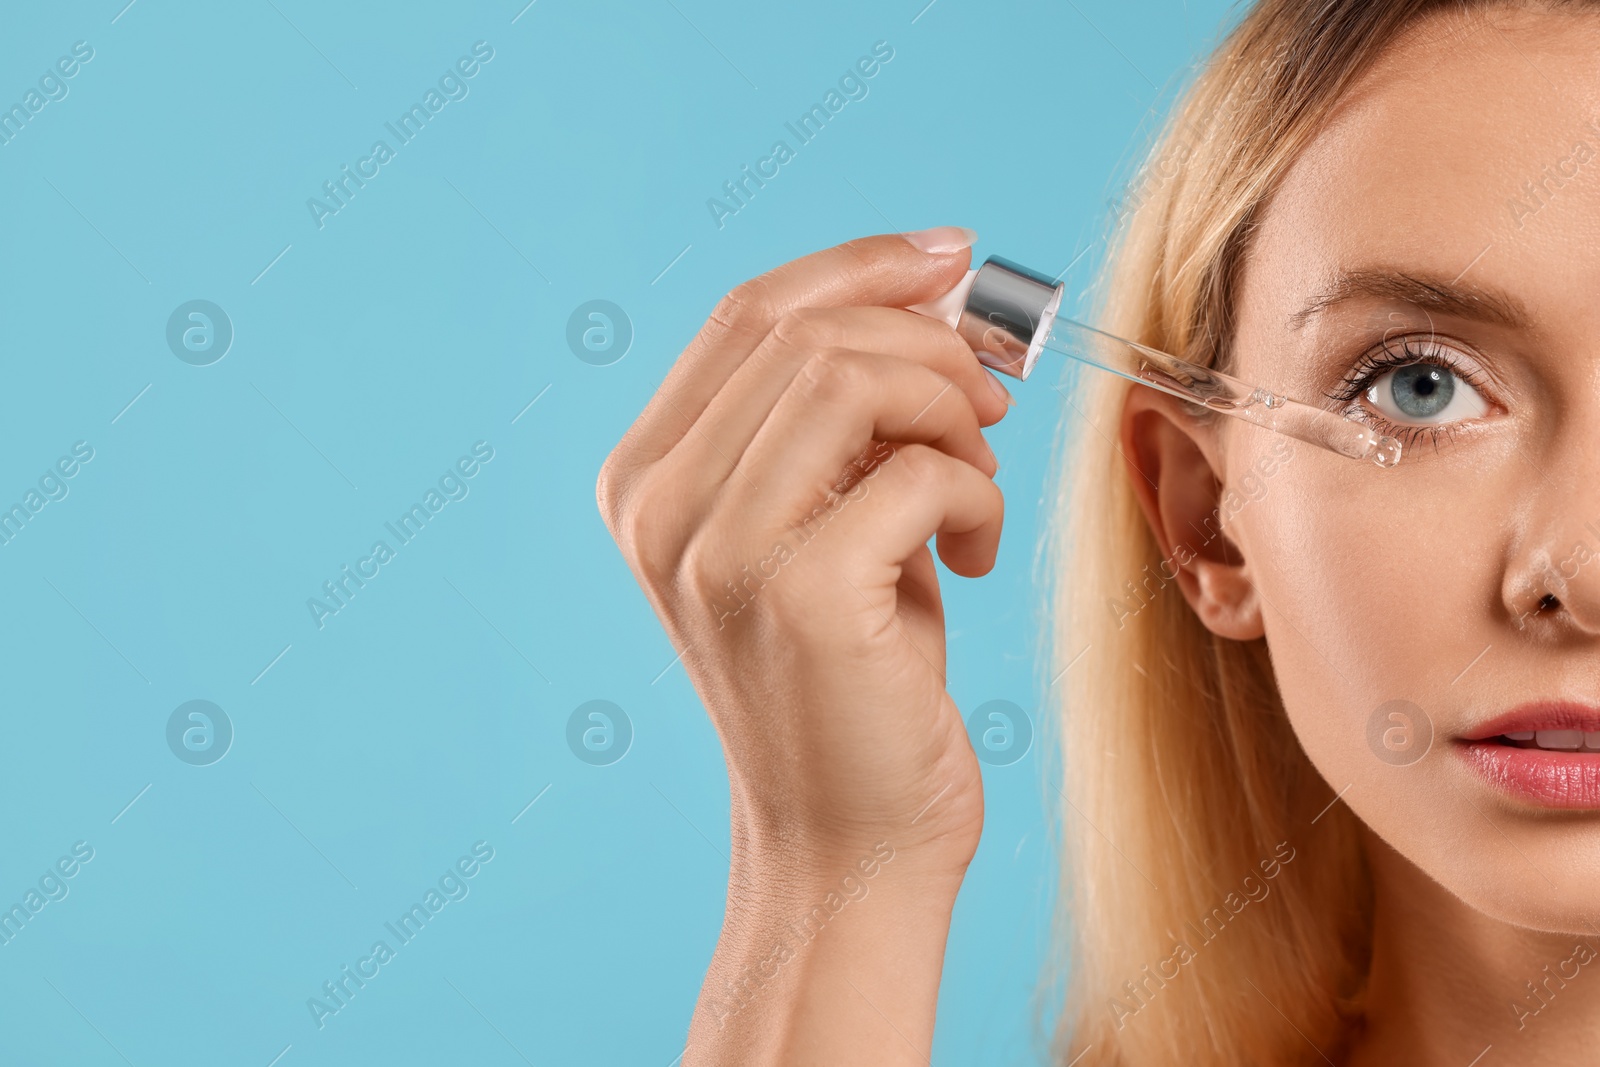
[1329, 793]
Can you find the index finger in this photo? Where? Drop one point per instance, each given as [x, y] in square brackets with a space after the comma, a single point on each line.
[888, 270]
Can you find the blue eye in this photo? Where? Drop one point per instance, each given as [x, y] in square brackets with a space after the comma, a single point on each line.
[1425, 393]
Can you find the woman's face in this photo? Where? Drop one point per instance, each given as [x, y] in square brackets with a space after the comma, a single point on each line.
[1448, 218]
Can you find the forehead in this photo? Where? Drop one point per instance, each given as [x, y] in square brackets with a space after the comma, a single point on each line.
[1472, 144]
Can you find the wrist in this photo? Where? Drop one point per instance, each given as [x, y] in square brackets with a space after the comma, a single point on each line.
[833, 961]
[937, 843]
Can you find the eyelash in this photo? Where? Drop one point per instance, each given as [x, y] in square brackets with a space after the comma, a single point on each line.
[1411, 350]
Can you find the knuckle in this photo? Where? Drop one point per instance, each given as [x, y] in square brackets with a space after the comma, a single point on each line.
[703, 571]
[832, 374]
[920, 465]
[655, 575]
[872, 255]
[608, 491]
[641, 529]
[806, 328]
[747, 307]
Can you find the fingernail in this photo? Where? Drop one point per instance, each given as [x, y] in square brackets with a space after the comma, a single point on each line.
[999, 390]
[942, 240]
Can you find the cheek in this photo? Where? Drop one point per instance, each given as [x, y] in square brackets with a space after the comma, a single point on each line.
[1377, 591]
[1365, 580]
[1375, 587]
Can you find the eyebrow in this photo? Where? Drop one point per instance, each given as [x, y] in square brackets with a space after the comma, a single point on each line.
[1422, 291]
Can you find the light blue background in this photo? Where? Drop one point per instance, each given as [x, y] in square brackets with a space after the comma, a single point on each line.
[422, 318]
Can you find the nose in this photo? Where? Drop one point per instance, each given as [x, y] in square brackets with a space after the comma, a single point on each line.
[1552, 582]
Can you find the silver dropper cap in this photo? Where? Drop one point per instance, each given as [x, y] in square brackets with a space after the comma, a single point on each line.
[1007, 315]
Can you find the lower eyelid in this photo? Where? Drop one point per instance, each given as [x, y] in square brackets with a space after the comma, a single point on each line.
[1411, 433]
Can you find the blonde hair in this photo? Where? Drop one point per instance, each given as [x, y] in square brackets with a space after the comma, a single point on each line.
[1185, 787]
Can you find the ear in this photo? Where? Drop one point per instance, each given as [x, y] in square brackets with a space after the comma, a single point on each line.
[1173, 461]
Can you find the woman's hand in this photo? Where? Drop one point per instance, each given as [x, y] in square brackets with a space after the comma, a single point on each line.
[775, 500]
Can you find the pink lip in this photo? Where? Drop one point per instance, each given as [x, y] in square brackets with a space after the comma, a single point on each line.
[1539, 715]
[1569, 780]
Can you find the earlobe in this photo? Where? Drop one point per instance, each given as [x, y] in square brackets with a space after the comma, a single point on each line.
[1172, 460]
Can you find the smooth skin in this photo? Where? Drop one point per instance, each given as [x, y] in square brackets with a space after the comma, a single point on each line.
[755, 464]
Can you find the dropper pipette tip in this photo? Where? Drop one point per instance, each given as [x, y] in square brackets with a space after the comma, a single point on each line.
[1386, 451]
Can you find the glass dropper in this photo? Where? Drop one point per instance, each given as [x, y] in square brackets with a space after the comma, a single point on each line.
[1007, 313]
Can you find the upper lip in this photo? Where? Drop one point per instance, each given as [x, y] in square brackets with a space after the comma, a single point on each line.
[1539, 715]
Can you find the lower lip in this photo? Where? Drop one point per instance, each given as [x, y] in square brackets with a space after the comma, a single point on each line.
[1569, 780]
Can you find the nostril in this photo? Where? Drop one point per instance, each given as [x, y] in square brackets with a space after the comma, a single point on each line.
[1548, 602]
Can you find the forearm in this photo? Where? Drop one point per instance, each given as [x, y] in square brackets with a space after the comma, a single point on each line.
[832, 963]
